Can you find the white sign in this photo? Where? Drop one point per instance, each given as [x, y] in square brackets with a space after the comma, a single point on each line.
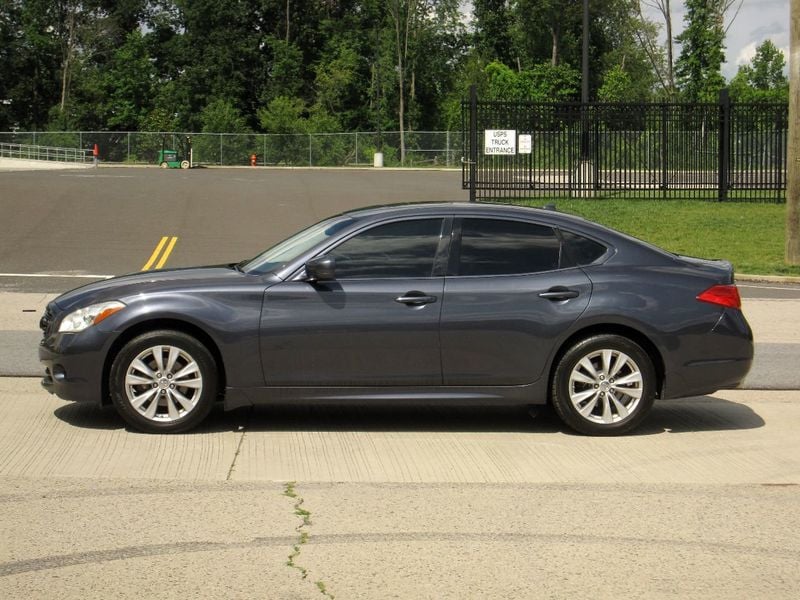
[524, 143]
[499, 141]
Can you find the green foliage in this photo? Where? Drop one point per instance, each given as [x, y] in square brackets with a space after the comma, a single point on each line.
[128, 84]
[543, 83]
[283, 115]
[298, 67]
[702, 52]
[763, 79]
[284, 69]
[616, 86]
[220, 116]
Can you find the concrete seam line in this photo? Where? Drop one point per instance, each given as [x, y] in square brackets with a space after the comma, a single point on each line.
[239, 446]
[290, 491]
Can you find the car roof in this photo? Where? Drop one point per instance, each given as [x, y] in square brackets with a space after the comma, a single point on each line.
[550, 216]
[465, 208]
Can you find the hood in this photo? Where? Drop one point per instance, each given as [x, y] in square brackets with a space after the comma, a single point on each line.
[125, 286]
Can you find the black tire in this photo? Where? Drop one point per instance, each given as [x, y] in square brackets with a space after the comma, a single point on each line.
[604, 385]
[153, 401]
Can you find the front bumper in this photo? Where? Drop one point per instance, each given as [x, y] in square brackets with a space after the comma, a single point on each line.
[74, 364]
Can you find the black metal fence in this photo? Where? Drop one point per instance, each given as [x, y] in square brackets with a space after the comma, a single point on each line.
[721, 151]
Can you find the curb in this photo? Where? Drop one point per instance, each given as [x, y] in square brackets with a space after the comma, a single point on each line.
[767, 279]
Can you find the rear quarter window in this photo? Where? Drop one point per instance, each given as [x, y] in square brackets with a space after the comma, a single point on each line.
[581, 251]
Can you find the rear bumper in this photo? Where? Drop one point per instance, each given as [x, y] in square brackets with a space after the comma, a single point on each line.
[719, 360]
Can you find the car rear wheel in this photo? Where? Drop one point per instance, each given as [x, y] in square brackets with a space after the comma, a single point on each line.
[163, 382]
[604, 385]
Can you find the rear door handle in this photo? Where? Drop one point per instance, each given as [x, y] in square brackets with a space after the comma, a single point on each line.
[559, 293]
[415, 299]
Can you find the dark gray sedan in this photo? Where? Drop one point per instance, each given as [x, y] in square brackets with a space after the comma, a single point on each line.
[458, 303]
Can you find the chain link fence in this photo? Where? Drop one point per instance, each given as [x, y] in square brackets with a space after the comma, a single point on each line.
[423, 148]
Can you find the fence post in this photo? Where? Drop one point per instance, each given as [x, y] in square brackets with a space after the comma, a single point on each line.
[220, 149]
[447, 151]
[724, 143]
[128, 159]
[664, 150]
[309, 149]
[473, 140]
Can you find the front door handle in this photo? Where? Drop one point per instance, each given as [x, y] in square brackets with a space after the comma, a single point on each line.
[559, 293]
[415, 299]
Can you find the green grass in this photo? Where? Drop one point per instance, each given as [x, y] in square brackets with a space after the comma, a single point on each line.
[751, 236]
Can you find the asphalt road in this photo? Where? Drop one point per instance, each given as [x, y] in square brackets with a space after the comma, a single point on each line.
[108, 221]
[65, 228]
[362, 502]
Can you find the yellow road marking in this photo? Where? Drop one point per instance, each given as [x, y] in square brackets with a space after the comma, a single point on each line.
[167, 252]
[154, 256]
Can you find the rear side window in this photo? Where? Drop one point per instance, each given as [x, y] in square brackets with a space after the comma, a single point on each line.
[580, 250]
[498, 247]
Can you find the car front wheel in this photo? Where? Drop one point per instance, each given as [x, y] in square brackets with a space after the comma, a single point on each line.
[604, 385]
[163, 382]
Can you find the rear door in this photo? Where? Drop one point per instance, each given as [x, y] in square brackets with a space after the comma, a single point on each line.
[506, 301]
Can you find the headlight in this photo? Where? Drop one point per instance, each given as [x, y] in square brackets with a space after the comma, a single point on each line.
[83, 318]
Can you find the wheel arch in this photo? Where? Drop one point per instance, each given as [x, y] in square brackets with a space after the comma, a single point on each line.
[153, 325]
[611, 329]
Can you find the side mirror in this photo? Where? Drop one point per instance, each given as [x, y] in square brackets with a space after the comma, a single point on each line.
[322, 268]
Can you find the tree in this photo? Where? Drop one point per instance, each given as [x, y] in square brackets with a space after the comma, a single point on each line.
[404, 15]
[763, 79]
[128, 85]
[698, 67]
[492, 35]
[665, 70]
[543, 83]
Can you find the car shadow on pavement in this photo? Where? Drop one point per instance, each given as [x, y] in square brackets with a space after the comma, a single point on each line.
[705, 413]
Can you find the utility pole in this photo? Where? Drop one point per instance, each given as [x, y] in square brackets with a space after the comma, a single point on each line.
[585, 177]
[793, 156]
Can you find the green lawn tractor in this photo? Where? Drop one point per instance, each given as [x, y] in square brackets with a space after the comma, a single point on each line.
[168, 159]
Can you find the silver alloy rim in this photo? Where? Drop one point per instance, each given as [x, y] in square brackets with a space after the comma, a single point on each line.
[163, 383]
[606, 386]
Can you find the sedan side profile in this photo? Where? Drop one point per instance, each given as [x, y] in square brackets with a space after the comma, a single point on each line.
[437, 303]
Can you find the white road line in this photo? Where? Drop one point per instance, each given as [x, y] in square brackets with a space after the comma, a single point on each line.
[56, 275]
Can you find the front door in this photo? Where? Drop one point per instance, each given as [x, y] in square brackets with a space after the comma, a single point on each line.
[375, 324]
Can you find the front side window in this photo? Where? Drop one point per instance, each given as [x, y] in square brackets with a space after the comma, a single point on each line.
[498, 247]
[403, 249]
[291, 248]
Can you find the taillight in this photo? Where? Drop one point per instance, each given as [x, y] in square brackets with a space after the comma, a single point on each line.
[722, 295]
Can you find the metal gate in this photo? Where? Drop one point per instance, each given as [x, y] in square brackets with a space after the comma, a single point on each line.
[713, 151]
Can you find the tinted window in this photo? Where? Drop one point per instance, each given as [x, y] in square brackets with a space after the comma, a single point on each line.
[291, 248]
[402, 249]
[582, 251]
[495, 247]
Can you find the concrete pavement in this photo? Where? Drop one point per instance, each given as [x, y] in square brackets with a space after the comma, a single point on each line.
[409, 503]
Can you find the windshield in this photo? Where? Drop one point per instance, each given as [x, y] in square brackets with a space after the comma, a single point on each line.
[289, 249]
